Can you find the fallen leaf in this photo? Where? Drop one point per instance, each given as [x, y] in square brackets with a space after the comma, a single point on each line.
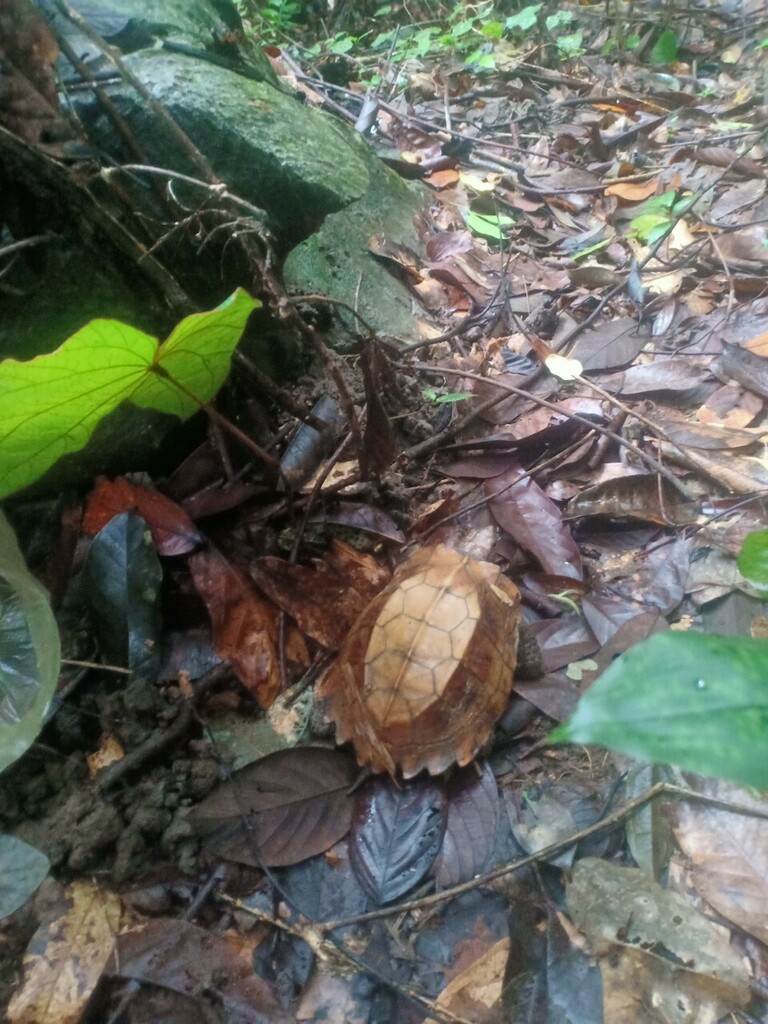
[728, 854]
[396, 835]
[325, 600]
[533, 520]
[172, 530]
[290, 805]
[475, 994]
[66, 958]
[245, 625]
[192, 962]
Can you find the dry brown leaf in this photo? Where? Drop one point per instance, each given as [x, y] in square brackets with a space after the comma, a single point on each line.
[758, 344]
[475, 994]
[633, 191]
[728, 854]
[66, 958]
[245, 625]
[326, 599]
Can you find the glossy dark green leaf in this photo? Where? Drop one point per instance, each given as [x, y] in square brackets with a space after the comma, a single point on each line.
[30, 651]
[697, 700]
[22, 869]
[122, 578]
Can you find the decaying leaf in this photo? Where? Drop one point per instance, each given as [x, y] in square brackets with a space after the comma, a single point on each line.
[728, 854]
[475, 994]
[324, 600]
[244, 624]
[189, 961]
[172, 530]
[532, 519]
[637, 928]
[66, 958]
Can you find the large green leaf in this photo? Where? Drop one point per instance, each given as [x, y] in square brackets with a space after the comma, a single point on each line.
[693, 699]
[29, 651]
[52, 404]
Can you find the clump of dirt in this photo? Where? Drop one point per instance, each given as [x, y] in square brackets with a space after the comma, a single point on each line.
[133, 830]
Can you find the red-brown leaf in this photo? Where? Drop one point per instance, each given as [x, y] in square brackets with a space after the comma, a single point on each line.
[245, 625]
[324, 600]
[172, 530]
[297, 802]
[533, 520]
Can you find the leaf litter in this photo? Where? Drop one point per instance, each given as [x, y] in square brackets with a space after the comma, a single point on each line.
[619, 230]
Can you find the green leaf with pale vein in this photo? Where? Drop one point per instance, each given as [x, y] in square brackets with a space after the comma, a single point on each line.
[52, 404]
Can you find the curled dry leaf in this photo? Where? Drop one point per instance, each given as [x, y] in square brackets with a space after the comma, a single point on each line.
[427, 668]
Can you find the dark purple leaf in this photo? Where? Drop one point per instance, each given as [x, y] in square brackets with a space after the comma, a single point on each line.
[470, 831]
[359, 516]
[533, 520]
[631, 632]
[658, 577]
[563, 641]
[606, 615]
[613, 345]
[280, 810]
[396, 835]
[554, 694]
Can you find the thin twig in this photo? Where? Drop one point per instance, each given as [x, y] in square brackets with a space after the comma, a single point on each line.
[619, 815]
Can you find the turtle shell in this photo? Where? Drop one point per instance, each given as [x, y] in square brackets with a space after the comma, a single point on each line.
[427, 668]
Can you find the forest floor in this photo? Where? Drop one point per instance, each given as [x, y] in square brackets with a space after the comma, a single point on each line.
[587, 412]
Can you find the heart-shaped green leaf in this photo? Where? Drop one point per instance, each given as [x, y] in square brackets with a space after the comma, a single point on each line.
[52, 404]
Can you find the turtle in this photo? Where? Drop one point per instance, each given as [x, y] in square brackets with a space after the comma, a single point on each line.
[427, 668]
